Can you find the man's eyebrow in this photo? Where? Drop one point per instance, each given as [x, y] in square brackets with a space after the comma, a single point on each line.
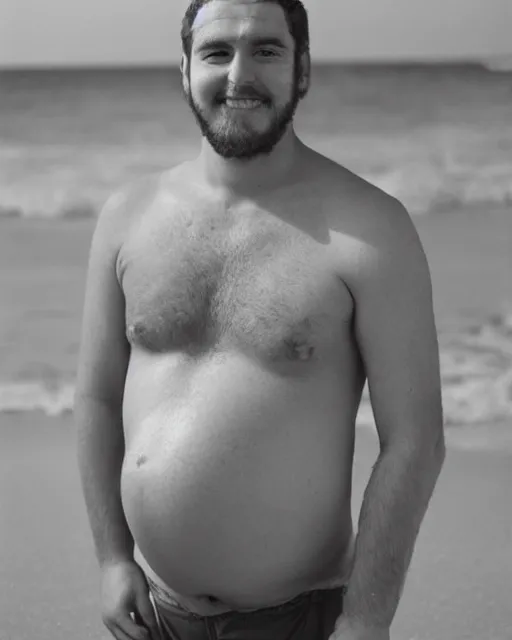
[215, 43]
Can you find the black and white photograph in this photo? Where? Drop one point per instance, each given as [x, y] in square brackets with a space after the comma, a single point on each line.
[256, 320]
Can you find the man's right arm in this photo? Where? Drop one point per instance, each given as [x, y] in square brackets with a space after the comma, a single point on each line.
[102, 365]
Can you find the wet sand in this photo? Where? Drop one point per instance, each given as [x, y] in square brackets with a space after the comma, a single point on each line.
[458, 586]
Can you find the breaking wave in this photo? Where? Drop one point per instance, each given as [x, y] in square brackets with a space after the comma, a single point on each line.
[423, 184]
[476, 370]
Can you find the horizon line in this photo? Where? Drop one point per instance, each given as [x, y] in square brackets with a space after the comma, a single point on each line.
[489, 62]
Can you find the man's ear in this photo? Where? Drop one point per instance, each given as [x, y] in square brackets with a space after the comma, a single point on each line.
[184, 72]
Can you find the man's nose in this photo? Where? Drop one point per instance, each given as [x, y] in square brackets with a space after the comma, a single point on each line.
[241, 69]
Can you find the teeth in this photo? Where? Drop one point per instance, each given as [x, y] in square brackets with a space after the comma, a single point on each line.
[243, 104]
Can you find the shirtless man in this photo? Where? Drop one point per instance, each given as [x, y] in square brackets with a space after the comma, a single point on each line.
[235, 306]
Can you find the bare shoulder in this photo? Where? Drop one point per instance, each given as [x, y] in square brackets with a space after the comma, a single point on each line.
[372, 233]
[124, 205]
[128, 205]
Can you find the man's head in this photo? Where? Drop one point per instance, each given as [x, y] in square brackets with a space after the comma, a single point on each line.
[253, 49]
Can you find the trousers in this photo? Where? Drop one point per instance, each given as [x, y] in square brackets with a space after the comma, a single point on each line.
[309, 616]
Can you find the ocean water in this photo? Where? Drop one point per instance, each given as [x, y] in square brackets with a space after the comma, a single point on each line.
[438, 137]
[476, 375]
[435, 136]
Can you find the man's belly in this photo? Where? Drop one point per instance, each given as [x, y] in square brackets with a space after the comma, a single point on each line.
[237, 484]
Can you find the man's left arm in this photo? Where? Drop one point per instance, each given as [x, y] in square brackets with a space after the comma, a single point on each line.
[396, 335]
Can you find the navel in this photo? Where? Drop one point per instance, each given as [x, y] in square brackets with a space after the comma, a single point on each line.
[141, 460]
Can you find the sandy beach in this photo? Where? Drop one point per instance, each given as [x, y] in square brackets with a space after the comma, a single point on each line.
[459, 584]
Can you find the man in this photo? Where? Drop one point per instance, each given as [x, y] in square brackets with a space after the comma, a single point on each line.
[235, 306]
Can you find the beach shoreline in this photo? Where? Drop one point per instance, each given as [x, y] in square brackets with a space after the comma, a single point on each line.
[43, 268]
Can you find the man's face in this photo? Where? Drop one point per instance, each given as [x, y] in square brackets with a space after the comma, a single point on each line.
[240, 81]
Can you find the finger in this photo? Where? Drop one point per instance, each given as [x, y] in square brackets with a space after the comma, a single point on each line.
[146, 616]
[131, 630]
[151, 626]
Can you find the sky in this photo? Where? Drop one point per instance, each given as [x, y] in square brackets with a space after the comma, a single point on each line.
[35, 33]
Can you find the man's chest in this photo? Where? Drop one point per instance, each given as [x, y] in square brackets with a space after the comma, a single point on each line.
[195, 279]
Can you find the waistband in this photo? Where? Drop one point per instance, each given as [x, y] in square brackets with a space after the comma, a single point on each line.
[165, 599]
[166, 602]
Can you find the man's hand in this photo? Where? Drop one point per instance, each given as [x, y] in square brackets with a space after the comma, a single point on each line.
[348, 630]
[127, 611]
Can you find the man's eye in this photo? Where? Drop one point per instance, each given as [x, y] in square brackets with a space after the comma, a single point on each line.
[217, 54]
[267, 53]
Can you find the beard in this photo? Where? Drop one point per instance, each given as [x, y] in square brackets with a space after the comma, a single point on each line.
[234, 138]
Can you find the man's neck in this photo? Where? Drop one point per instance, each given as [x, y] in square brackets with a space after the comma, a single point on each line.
[246, 177]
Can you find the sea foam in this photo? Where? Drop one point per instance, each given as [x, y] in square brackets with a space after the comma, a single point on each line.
[476, 375]
[423, 186]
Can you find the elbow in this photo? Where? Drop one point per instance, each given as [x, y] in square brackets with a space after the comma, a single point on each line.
[434, 449]
[433, 455]
[422, 451]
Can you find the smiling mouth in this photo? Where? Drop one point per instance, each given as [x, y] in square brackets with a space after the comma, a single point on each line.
[243, 103]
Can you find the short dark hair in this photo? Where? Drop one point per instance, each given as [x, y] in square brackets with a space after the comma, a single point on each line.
[296, 18]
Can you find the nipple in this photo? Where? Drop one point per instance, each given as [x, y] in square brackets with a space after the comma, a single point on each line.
[299, 344]
[300, 350]
[305, 352]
